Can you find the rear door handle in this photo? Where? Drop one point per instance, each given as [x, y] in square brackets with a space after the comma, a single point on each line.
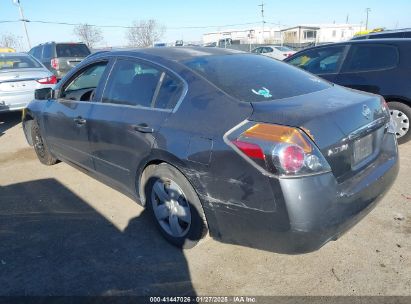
[80, 121]
[143, 128]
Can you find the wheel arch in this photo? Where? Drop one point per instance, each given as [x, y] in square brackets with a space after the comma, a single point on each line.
[180, 165]
[27, 123]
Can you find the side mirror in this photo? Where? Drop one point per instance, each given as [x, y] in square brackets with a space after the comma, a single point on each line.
[43, 94]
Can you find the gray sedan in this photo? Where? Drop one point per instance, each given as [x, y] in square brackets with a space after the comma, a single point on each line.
[20, 75]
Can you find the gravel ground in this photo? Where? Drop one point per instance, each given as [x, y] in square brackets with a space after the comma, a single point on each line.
[64, 233]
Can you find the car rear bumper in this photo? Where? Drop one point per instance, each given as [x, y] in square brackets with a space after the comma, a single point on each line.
[14, 102]
[309, 211]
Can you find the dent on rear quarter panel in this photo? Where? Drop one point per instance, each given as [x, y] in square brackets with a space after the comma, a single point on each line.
[224, 181]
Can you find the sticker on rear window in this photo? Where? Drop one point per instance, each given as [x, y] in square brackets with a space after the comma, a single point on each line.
[263, 92]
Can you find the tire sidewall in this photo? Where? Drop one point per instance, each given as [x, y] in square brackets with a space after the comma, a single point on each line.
[47, 158]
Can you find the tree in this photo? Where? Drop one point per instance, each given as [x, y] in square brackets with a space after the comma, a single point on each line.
[10, 41]
[88, 34]
[144, 33]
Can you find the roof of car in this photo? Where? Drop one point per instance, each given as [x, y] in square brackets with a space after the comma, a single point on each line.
[177, 53]
[372, 41]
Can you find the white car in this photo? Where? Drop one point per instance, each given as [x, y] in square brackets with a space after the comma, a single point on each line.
[277, 52]
[20, 75]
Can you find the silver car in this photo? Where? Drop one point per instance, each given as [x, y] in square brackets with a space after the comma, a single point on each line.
[20, 75]
[276, 52]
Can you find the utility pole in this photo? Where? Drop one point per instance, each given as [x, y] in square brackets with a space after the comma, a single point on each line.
[262, 17]
[367, 10]
[23, 20]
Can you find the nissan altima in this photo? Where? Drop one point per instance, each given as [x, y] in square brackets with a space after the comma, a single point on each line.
[246, 148]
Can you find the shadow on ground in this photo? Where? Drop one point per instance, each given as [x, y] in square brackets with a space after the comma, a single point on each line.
[9, 120]
[53, 243]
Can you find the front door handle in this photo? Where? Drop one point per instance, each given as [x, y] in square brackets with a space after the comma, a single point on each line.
[143, 128]
[80, 121]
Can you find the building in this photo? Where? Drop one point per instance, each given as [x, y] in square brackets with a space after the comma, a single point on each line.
[319, 33]
[245, 36]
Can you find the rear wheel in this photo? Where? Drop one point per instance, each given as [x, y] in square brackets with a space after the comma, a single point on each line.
[174, 205]
[42, 151]
[401, 115]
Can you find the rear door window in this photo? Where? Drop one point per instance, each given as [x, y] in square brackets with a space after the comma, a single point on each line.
[47, 53]
[170, 92]
[371, 57]
[37, 52]
[253, 78]
[320, 61]
[131, 83]
[72, 50]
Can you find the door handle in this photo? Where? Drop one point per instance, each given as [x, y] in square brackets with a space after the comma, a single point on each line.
[80, 121]
[143, 128]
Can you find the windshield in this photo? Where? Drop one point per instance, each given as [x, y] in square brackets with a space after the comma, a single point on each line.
[254, 78]
[14, 62]
[72, 50]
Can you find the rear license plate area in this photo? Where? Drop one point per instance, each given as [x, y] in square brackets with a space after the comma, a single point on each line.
[363, 148]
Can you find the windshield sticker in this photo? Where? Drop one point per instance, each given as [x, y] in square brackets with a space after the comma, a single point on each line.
[263, 92]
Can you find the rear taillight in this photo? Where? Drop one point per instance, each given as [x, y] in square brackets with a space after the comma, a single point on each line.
[48, 80]
[275, 149]
[54, 63]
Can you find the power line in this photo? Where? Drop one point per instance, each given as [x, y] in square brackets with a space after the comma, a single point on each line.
[124, 26]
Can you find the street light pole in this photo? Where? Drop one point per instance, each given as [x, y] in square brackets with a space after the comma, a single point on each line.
[23, 20]
[367, 10]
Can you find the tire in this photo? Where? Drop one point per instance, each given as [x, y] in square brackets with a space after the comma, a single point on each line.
[174, 205]
[41, 148]
[401, 114]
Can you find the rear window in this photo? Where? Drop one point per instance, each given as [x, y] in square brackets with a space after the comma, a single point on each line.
[10, 62]
[72, 50]
[253, 78]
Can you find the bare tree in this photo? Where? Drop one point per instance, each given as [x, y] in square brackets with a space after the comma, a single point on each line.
[88, 34]
[10, 41]
[144, 33]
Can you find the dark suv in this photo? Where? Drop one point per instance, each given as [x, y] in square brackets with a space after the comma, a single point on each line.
[404, 33]
[60, 58]
[380, 66]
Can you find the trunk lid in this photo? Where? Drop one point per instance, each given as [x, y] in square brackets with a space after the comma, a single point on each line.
[21, 80]
[337, 119]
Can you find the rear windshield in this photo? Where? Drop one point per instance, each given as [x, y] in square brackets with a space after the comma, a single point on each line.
[72, 50]
[14, 62]
[253, 78]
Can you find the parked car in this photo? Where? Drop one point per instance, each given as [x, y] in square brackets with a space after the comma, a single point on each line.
[403, 33]
[20, 75]
[208, 138]
[377, 66]
[60, 58]
[276, 52]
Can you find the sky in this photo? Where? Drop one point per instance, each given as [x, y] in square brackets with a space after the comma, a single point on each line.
[175, 14]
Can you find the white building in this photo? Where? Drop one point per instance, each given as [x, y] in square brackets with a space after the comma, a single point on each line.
[319, 33]
[245, 36]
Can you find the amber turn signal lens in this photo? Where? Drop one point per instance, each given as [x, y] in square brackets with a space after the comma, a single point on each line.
[276, 133]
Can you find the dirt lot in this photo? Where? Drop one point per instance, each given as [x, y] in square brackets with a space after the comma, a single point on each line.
[63, 233]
